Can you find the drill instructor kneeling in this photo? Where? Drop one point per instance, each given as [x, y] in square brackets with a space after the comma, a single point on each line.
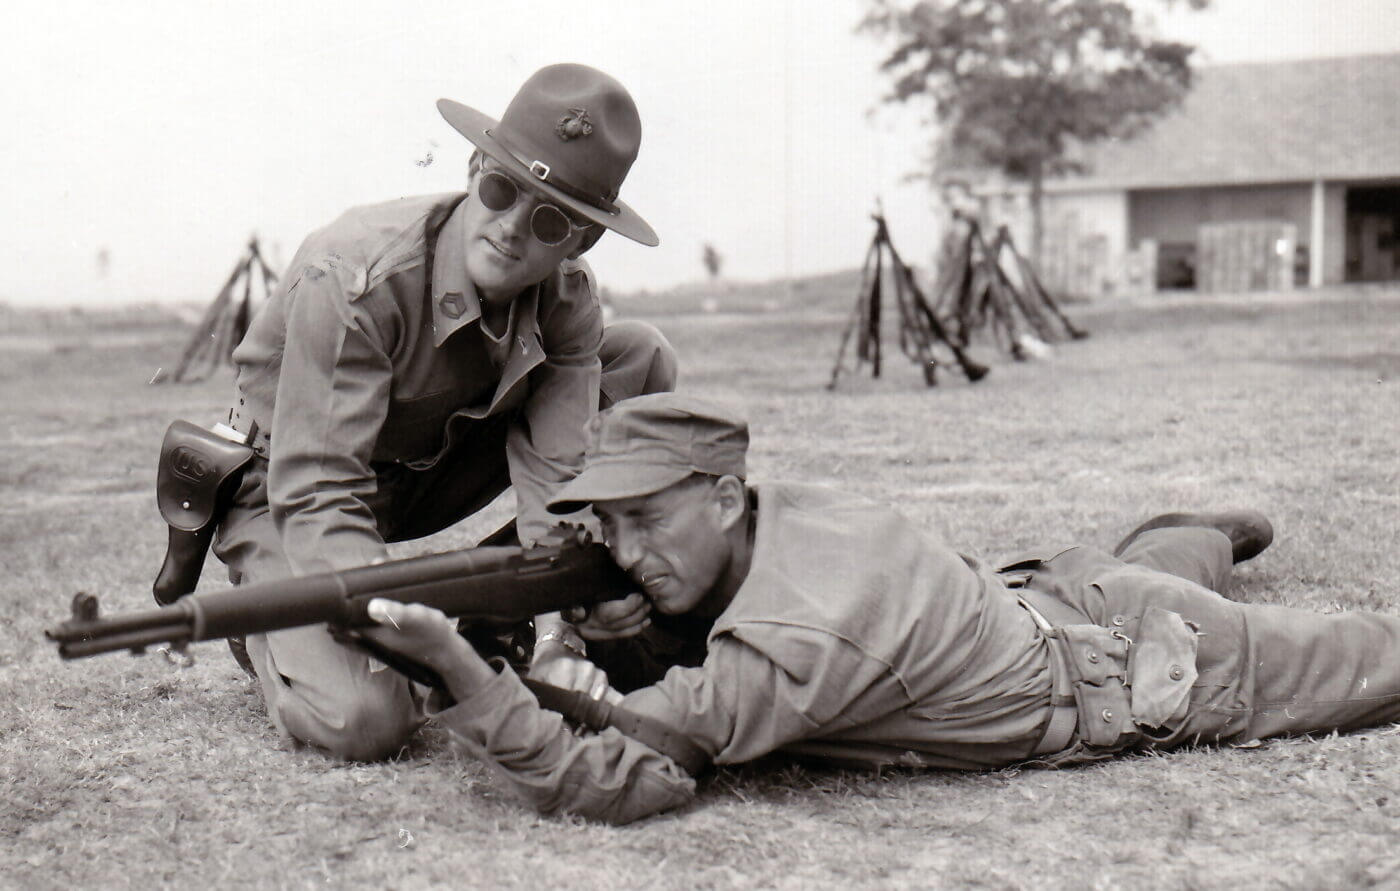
[420, 356]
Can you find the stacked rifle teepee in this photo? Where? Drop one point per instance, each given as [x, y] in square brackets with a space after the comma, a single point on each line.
[919, 327]
[976, 292]
[226, 320]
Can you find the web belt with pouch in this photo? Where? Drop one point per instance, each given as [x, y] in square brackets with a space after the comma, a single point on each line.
[199, 472]
[1107, 688]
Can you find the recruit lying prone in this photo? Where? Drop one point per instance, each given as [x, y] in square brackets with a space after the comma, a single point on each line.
[493, 585]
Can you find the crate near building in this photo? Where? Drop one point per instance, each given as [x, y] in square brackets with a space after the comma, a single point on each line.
[1245, 256]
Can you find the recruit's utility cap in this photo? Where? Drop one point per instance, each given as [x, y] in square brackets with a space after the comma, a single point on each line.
[644, 444]
[572, 132]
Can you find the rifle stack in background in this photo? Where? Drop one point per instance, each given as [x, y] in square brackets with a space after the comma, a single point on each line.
[975, 292]
[226, 320]
[919, 326]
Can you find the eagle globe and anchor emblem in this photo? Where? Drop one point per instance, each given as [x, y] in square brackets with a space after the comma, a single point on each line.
[574, 124]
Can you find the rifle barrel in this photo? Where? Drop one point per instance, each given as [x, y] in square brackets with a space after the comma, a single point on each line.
[174, 633]
[496, 582]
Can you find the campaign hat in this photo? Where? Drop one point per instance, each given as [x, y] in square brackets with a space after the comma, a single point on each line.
[572, 132]
[645, 444]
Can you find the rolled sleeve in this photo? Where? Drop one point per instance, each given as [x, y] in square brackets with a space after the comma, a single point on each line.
[546, 443]
[332, 398]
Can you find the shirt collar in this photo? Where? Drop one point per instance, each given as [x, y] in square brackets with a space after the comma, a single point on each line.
[455, 303]
[455, 300]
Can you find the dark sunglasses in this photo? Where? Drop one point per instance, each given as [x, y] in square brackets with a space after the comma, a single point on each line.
[549, 224]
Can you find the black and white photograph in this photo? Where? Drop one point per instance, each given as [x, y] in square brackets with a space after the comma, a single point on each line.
[838, 444]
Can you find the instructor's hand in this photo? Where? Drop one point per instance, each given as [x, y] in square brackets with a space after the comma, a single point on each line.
[615, 619]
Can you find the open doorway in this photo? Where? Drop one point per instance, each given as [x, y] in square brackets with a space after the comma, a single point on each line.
[1373, 234]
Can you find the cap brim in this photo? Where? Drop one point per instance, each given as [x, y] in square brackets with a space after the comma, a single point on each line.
[477, 128]
[613, 480]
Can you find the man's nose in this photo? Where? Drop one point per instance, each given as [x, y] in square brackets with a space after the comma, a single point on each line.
[515, 220]
[625, 552]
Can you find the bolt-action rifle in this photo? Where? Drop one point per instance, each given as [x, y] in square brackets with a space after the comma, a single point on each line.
[493, 585]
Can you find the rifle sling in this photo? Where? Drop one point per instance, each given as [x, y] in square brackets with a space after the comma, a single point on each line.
[594, 714]
[597, 715]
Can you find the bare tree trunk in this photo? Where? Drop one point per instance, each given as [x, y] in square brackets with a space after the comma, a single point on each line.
[1037, 212]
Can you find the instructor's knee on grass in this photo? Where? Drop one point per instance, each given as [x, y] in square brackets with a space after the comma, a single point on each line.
[325, 694]
[370, 726]
[637, 359]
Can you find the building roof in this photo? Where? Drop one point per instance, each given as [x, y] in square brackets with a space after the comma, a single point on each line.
[1263, 122]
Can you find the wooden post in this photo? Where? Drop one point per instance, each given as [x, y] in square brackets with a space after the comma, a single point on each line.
[1317, 234]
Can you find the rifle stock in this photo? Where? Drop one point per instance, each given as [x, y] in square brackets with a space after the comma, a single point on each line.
[498, 584]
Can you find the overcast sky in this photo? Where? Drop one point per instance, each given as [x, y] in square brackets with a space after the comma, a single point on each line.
[165, 133]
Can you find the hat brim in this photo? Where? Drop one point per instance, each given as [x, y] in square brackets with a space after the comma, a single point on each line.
[612, 480]
[477, 128]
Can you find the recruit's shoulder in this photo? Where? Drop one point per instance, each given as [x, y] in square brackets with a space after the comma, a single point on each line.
[810, 537]
[822, 557]
[822, 526]
[845, 513]
[371, 242]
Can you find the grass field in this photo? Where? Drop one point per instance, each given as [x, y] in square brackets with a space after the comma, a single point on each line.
[122, 772]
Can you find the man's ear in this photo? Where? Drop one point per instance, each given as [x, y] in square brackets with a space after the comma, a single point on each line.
[590, 238]
[732, 499]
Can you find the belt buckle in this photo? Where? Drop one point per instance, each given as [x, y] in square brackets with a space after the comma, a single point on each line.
[1017, 578]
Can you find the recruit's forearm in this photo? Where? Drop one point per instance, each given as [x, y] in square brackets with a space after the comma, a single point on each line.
[603, 776]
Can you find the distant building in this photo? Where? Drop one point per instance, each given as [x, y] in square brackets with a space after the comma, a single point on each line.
[1312, 145]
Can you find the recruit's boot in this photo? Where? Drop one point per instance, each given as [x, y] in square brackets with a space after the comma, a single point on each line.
[1248, 530]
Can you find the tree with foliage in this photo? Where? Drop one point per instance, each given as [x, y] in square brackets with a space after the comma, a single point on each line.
[1015, 84]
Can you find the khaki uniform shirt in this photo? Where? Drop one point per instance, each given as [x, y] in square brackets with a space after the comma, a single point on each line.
[372, 350]
[855, 638]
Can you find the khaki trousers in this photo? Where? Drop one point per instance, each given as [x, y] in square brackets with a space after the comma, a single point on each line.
[333, 696]
[1262, 670]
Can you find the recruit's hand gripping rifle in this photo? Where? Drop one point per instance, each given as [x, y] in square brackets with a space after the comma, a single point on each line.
[490, 584]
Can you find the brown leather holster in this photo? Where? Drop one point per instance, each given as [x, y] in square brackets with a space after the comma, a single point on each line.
[198, 474]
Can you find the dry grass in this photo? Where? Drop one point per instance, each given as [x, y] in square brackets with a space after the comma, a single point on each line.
[118, 772]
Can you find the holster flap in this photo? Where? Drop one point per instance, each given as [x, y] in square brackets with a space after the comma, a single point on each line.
[194, 464]
[1162, 668]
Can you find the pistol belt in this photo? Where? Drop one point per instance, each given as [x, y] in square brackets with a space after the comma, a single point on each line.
[1049, 613]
